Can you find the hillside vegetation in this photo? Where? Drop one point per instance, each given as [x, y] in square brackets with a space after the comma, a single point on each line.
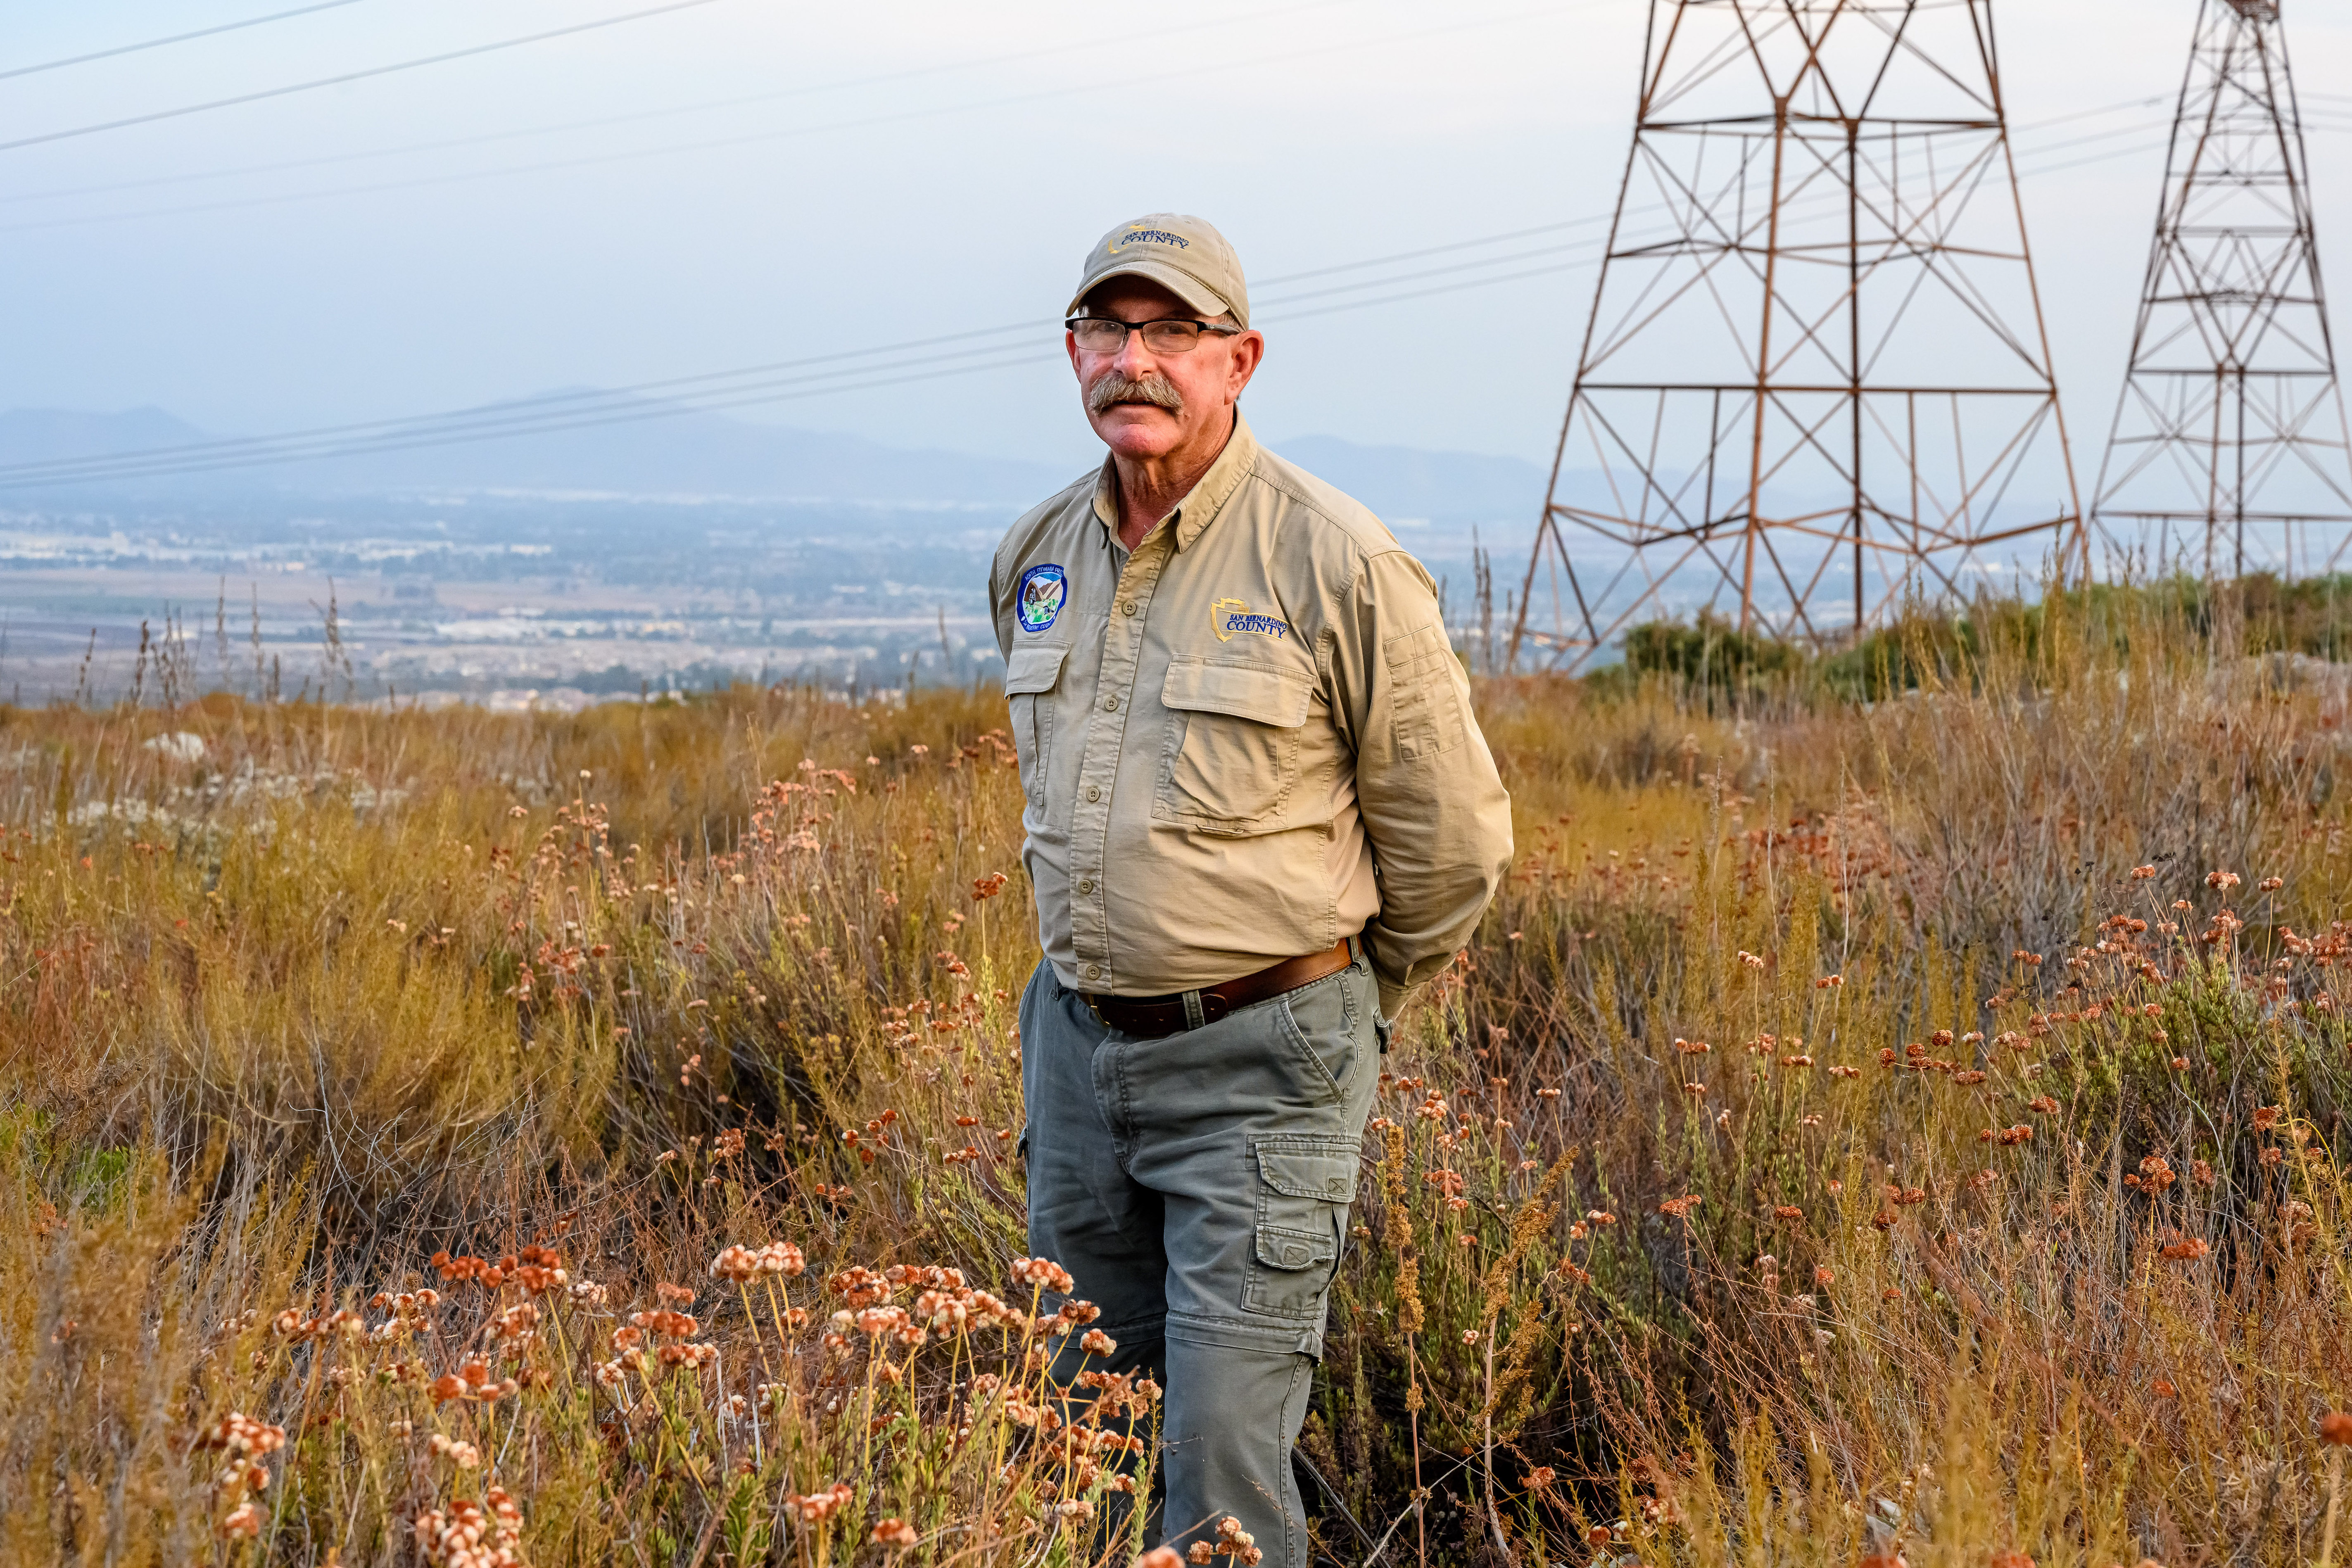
[1910, 1126]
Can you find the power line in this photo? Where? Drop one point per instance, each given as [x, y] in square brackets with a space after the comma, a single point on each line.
[525, 410]
[769, 382]
[862, 122]
[711, 144]
[524, 419]
[174, 38]
[864, 378]
[347, 77]
[706, 107]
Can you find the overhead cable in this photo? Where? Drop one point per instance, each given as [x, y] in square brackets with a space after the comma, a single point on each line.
[174, 38]
[637, 116]
[852, 370]
[347, 77]
[715, 144]
[509, 414]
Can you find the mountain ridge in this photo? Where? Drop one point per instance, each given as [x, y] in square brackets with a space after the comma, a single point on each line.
[671, 451]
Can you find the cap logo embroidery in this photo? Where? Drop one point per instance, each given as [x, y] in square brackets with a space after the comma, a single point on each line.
[1039, 599]
[1139, 234]
[1227, 617]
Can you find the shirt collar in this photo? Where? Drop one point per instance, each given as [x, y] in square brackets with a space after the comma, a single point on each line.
[1202, 501]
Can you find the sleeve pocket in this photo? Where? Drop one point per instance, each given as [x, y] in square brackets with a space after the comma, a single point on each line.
[1424, 705]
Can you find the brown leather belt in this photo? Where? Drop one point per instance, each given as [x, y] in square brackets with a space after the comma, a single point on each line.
[1150, 1017]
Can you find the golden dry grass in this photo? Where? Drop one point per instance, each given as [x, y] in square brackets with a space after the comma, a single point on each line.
[1830, 1148]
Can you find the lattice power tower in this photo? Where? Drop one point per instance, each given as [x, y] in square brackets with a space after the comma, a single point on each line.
[2230, 436]
[1815, 374]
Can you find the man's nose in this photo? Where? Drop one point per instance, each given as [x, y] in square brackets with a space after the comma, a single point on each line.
[1133, 360]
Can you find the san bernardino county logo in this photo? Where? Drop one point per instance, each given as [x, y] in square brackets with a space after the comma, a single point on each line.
[1227, 617]
[1140, 233]
[1039, 600]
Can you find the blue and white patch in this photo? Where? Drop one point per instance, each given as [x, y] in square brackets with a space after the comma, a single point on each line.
[1038, 600]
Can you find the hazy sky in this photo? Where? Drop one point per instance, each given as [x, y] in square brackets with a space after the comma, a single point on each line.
[904, 170]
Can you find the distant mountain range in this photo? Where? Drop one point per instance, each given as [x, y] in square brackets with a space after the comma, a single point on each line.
[692, 454]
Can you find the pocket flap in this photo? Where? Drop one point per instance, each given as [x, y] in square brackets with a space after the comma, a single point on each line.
[1256, 691]
[1324, 1172]
[1031, 670]
[1280, 1249]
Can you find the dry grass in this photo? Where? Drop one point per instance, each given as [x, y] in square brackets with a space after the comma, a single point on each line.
[1832, 1147]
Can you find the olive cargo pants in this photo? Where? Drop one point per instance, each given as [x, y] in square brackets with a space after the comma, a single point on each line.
[1196, 1187]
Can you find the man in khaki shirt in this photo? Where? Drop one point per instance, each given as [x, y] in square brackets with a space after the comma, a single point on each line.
[1259, 811]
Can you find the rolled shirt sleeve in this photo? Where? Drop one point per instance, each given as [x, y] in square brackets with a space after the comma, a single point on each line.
[1432, 804]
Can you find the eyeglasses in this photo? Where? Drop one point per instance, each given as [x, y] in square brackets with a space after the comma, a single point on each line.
[1172, 335]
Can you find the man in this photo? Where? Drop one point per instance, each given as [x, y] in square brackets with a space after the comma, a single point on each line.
[1259, 812]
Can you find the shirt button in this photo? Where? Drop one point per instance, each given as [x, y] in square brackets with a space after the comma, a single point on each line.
[1094, 972]
[1094, 791]
[1127, 608]
[1110, 704]
[1085, 884]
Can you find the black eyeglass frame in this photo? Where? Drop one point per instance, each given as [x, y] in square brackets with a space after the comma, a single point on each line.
[1129, 328]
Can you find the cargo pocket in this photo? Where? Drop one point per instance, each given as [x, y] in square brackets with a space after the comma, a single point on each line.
[1305, 1184]
[1030, 676]
[1232, 751]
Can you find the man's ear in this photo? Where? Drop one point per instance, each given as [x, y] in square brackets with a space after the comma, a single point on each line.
[1249, 354]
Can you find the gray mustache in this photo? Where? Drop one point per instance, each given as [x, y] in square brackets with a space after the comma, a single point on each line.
[1112, 388]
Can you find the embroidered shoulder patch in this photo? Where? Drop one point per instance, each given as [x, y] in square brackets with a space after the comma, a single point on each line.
[1227, 617]
[1039, 598]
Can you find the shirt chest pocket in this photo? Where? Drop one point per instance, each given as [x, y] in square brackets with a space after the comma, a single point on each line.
[1231, 755]
[1029, 677]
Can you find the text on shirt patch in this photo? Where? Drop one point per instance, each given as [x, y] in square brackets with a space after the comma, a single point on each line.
[1227, 617]
[1039, 601]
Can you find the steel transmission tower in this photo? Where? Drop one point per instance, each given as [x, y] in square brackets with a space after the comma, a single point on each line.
[2230, 417]
[1815, 373]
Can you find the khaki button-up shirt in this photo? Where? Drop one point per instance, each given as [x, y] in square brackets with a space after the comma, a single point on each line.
[1244, 741]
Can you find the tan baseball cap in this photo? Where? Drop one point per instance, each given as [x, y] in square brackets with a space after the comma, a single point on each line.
[1185, 255]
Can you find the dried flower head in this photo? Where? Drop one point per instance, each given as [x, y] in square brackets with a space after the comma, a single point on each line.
[1043, 1274]
[817, 1507]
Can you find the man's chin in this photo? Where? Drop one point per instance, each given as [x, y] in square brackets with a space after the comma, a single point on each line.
[1138, 429]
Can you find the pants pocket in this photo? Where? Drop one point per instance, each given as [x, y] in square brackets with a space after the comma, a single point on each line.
[1320, 1022]
[1305, 1182]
